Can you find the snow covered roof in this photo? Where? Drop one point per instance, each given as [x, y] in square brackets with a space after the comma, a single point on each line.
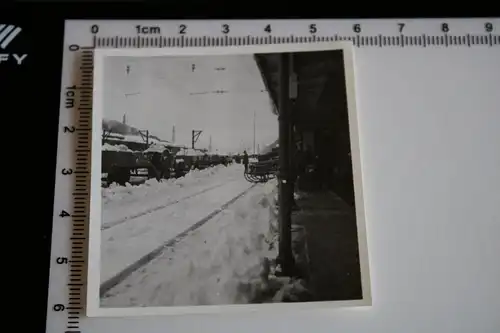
[133, 138]
[108, 147]
[191, 152]
[156, 148]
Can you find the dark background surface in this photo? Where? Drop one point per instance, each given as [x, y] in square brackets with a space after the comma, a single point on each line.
[30, 107]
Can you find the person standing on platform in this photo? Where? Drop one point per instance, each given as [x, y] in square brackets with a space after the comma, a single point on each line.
[245, 160]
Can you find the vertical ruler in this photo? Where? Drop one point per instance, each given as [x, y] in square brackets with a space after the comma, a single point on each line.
[73, 162]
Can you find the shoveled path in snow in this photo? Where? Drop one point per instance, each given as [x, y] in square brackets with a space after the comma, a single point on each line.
[206, 266]
[128, 242]
[149, 210]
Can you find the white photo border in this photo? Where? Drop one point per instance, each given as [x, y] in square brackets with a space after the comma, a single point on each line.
[93, 308]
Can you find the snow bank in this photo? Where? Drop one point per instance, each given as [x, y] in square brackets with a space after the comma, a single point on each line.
[267, 286]
[124, 241]
[229, 260]
[119, 202]
[117, 193]
[232, 260]
[212, 263]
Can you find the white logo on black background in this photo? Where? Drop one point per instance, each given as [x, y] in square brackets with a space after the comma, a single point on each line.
[7, 34]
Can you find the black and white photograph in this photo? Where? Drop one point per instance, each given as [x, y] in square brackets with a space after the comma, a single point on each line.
[227, 179]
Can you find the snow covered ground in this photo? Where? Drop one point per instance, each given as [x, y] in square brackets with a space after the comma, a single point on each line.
[206, 266]
[209, 265]
[214, 239]
[120, 203]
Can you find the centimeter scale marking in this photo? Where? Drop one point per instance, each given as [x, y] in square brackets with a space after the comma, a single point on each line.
[81, 95]
[380, 40]
[194, 34]
[81, 92]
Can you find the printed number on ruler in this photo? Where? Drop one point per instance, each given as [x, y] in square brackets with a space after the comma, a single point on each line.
[159, 36]
[77, 97]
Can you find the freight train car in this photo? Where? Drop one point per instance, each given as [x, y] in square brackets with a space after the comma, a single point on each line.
[121, 166]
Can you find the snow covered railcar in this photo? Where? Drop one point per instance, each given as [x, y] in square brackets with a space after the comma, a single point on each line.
[110, 158]
[121, 165]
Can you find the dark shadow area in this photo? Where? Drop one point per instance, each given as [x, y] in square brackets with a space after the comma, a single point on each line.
[332, 245]
[319, 113]
[323, 169]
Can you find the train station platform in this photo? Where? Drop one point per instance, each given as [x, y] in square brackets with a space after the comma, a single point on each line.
[332, 245]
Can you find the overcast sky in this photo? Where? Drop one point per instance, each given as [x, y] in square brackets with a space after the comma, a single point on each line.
[160, 89]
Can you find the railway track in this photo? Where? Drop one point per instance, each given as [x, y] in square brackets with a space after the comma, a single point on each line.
[114, 223]
[110, 283]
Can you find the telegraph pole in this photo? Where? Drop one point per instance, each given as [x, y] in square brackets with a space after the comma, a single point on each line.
[195, 134]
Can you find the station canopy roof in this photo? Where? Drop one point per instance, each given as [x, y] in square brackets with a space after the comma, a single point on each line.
[319, 76]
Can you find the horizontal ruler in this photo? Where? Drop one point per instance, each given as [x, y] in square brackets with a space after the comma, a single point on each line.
[483, 32]
[423, 40]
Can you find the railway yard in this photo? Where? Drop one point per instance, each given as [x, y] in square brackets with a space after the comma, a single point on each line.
[193, 220]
